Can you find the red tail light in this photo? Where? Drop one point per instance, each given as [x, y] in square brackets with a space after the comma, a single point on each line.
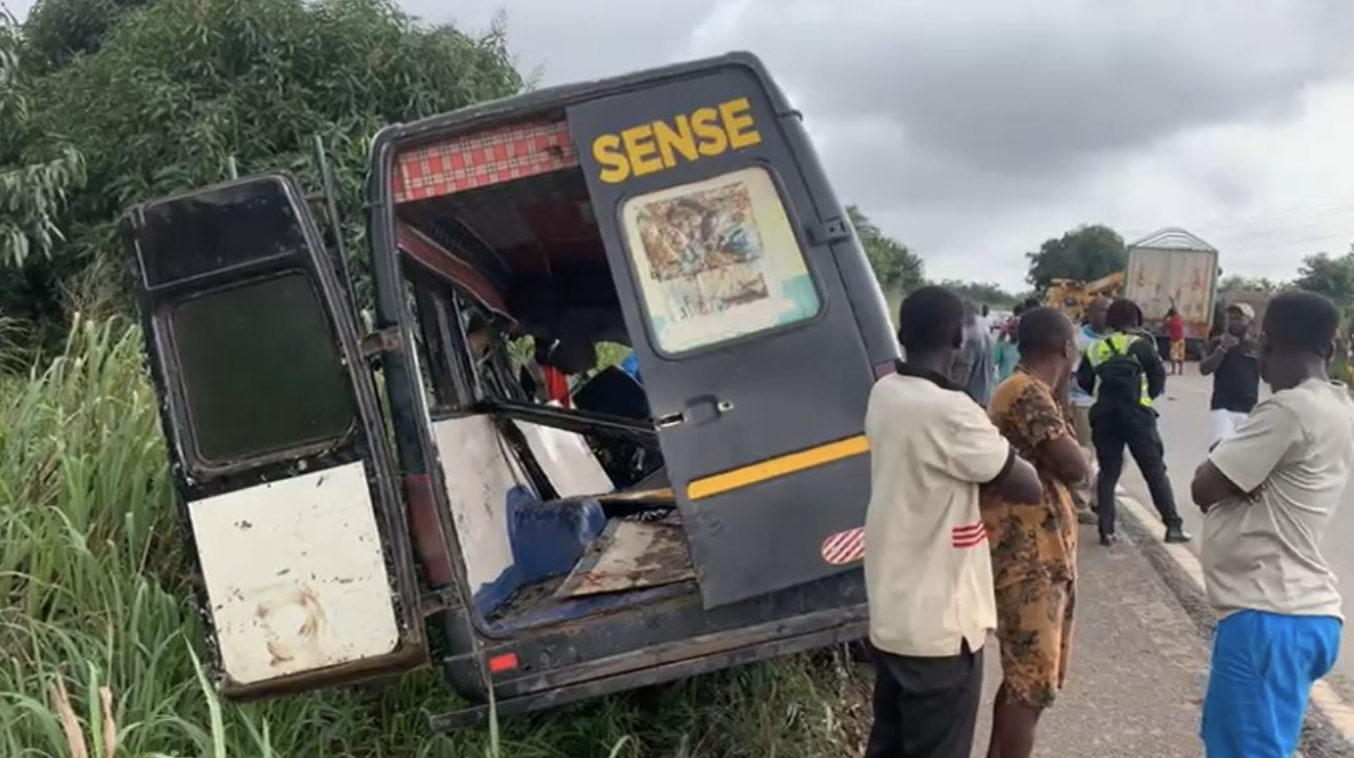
[503, 662]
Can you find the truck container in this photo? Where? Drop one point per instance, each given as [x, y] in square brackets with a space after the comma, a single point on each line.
[1172, 268]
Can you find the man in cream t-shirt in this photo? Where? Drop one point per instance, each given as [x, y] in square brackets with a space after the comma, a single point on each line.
[928, 569]
[1269, 491]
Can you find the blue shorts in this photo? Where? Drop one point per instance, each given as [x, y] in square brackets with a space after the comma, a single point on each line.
[1263, 669]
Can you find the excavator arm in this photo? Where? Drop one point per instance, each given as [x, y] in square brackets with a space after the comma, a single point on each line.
[1071, 296]
[1105, 285]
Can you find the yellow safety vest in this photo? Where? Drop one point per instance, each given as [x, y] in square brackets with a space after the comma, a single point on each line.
[1107, 347]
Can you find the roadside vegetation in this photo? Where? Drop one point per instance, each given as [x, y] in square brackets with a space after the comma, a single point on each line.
[99, 639]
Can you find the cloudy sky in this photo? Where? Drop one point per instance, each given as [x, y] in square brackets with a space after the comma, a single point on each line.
[974, 129]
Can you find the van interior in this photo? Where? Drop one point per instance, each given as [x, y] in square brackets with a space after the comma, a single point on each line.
[562, 509]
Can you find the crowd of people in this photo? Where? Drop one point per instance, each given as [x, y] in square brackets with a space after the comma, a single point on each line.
[981, 473]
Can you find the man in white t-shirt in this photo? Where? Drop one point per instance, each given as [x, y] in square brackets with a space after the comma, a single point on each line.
[928, 568]
[1269, 491]
[985, 318]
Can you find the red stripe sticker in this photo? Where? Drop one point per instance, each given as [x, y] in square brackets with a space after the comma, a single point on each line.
[844, 547]
[967, 536]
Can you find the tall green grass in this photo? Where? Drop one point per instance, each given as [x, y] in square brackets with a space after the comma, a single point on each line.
[97, 639]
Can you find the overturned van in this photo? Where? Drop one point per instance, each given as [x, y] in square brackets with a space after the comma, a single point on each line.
[361, 505]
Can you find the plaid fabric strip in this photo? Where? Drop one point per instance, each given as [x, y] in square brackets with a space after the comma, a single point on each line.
[482, 159]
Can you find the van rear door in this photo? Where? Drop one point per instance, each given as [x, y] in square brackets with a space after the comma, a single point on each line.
[276, 441]
[723, 249]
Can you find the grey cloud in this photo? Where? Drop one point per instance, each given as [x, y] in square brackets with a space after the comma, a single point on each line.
[880, 159]
[571, 40]
[973, 129]
[1027, 87]
[1229, 186]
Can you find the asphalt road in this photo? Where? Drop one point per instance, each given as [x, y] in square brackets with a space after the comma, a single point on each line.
[1138, 669]
[1184, 429]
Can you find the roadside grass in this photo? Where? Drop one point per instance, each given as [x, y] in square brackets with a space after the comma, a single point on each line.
[98, 643]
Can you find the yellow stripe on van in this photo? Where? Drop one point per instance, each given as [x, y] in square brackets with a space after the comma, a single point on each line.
[775, 468]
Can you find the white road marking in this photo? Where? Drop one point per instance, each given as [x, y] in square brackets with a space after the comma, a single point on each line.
[1337, 711]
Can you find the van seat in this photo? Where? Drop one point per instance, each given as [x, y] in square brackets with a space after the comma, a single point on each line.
[546, 540]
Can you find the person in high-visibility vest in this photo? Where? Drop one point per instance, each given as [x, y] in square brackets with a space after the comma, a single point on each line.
[1125, 374]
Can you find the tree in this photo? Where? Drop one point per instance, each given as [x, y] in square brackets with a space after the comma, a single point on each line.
[1085, 254]
[36, 172]
[1329, 276]
[1236, 283]
[60, 30]
[898, 269]
[166, 95]
[983, 293]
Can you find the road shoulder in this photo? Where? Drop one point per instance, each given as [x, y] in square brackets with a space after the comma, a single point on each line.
[1329, 730]
[1138, 666]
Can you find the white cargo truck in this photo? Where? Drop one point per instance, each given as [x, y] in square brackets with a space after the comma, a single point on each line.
[1172, 268]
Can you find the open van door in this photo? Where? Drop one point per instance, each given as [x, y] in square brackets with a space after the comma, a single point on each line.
[276, 442]
[749, 351]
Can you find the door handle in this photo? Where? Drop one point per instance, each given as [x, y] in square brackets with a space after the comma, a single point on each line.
[698, 411]
[669, 421]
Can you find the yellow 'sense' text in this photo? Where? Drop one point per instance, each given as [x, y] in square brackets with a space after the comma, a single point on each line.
[658, 145]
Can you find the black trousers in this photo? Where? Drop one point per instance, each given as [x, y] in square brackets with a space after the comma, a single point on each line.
[925, 707]
[1135, 429]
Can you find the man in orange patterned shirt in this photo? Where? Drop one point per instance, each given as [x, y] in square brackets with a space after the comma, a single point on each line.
[1034, 545]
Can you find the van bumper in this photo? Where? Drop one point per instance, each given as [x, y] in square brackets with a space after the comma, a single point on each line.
[594, 680]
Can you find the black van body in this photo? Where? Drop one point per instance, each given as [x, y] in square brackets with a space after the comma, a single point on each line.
[759, 425]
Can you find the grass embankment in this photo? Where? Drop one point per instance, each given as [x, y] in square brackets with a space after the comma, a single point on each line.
[97, 640]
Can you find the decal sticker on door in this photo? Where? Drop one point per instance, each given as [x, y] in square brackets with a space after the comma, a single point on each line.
[717, 259]
[845, 547]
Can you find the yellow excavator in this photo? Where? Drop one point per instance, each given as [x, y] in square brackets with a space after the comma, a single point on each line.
[1071, 296]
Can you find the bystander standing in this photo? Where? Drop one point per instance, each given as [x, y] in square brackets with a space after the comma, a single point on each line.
[1269, 491]
[1083, 493]
[928, 572]
[1123, 371]
[1034, 544]
[1233, 362]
